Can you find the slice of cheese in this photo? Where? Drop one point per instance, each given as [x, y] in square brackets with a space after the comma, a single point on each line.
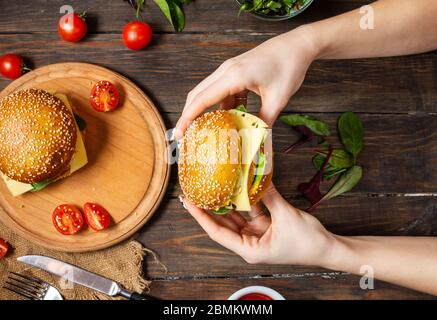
[252, 131]
[78, 161]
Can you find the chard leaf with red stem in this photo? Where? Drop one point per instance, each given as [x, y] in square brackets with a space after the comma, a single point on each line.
[345, 183]
[308, 126]
[311, 190]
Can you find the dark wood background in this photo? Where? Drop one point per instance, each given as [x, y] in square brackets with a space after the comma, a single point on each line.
[395, 97]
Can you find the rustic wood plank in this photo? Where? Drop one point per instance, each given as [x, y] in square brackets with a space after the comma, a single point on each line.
[175, 63]
[202, 16]
[187, 251]
[302, 287]
[399, 155]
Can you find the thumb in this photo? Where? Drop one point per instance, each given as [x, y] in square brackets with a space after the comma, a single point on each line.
[276, 204]
[271, 107]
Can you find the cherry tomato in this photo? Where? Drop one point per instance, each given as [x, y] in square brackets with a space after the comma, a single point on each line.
[72, 27]
[12, 66]
[137, 35]
[67, 219]
[104, 96]
[96, 216]
[4, 248]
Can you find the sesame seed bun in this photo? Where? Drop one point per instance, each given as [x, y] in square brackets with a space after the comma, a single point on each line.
[209, 181]
[37, 136]
[213, 184]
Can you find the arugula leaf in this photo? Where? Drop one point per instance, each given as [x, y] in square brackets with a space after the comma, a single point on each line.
[81, 123]
[272, 7]
[222, 210]
[351, 133]
[40, 185]
[318, 127]
[241, 108]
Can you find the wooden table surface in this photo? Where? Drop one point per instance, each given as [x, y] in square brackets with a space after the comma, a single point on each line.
[395, 97]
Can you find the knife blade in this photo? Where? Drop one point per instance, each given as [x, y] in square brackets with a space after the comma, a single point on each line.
[80, 276]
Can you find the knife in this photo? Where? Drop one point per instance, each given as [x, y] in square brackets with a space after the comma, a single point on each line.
[81, 277]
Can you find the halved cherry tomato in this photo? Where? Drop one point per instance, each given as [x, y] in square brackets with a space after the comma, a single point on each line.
[96, 216]
[12, 66]
[104, 96]
[67, 219]
[72, 27]
[4, 248]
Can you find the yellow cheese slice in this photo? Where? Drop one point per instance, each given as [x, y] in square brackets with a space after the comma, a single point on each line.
[252, 131]
[78, 161]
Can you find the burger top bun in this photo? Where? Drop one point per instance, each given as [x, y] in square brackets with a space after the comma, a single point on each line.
[208, 178]
[37, 136]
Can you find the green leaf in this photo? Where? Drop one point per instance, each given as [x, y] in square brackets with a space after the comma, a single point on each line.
[241, 108]
[330, 171]
[340, 159]
[173, 13]
[80, 122]
[345, 183]
[319, 128]
[351, 133]
[40, 185]
[222, 211]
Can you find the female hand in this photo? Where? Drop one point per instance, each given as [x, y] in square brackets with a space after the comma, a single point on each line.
[287, 236]
[274, 70]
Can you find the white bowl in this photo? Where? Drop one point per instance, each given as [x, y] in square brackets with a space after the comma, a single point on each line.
[275, 295]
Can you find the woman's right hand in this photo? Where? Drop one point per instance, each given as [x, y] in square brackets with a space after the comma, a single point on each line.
[274, 70]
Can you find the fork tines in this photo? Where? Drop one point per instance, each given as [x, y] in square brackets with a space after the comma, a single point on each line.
[27, 287]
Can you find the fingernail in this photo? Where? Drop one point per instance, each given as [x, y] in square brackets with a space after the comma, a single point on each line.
[176, 134]
[181, 200]
[170, 135]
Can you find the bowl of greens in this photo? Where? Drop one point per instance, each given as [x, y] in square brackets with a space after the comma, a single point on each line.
[274, 10]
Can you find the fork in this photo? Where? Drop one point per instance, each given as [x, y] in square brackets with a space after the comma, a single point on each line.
[31, 288]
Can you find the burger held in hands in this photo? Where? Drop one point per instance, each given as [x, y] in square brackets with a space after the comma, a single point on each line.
[226, 160]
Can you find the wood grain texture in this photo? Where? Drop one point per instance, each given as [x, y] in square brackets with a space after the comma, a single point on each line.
[388, 85]
[399, 155]
[201, 15]
[127, 172]
[397, 99]
[299, 287]
[188, 252]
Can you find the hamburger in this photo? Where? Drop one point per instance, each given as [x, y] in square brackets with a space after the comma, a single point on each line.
[40, 140]
[225, 160]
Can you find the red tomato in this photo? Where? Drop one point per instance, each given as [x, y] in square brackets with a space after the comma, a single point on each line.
[104, 96]
[137, 35]
[67, 219]
[4, 248]
[72, 27]
[96, 216]
[12, 66]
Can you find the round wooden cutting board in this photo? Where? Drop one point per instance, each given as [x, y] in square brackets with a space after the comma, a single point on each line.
[127, 171]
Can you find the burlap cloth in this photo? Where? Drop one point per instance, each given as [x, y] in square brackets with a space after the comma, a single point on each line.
[122, 263]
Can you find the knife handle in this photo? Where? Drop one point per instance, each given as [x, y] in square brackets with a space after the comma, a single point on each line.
[135, 296]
